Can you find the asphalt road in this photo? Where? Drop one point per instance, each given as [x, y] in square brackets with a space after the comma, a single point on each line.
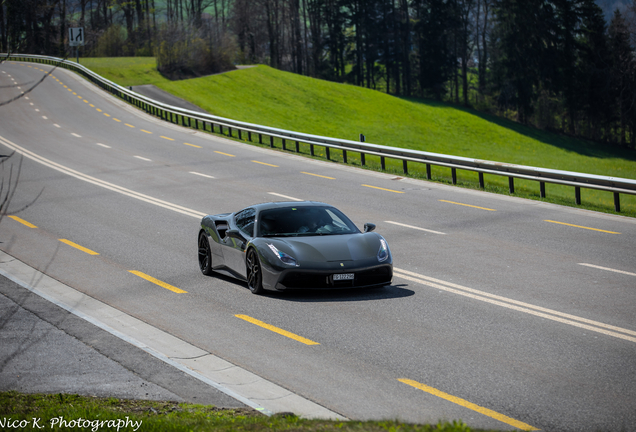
[521, 308]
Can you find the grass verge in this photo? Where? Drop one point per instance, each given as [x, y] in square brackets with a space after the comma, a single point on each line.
[61, 412]
[280, 99]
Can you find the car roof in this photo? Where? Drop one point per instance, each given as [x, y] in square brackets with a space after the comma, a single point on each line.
[279, 204]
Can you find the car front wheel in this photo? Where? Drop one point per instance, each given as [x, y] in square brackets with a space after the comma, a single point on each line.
[254, 273]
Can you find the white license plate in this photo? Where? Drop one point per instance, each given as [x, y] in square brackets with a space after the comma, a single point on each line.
[343, 276]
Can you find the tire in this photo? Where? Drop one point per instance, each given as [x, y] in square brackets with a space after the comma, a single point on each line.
[205, 254]
[254, 273]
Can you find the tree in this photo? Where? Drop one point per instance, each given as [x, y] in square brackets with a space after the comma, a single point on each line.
[623, 75]
[594, 73]
[436, 63]
[523, 48]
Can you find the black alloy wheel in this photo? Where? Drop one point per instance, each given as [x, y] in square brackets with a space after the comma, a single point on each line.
[254, 274]
[205, 255]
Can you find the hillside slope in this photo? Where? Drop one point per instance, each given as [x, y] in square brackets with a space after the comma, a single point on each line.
[280, 99]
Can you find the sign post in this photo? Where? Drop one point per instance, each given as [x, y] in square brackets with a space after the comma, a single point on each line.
[76, 38]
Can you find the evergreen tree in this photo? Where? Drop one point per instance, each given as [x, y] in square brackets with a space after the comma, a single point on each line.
[623, 75]
[523, 52]
[594, 71]
[434, 21]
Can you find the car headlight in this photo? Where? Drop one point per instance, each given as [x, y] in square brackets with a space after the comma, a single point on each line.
[286, 259]
[383, 253]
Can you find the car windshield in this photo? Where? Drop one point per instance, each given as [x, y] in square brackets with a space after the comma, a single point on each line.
[304, 221]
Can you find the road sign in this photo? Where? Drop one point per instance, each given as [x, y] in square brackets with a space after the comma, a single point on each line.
[76, 36]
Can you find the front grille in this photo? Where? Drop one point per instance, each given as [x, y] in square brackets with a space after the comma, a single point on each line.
[304, 279]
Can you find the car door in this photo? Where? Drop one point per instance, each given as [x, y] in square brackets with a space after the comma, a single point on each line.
[234, 253]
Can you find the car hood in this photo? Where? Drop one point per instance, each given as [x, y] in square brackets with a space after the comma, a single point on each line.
[349, 247]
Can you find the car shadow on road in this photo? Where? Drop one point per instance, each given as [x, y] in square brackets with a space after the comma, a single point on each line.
[344, 295]
[329, 295]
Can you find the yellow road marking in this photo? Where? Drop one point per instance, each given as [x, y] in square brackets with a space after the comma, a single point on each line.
[485, 411]
[23, 222]
[98, 110]
[76, 246]
[117, 120]
[129, 125]
[107, 115]
[143, 130]
[318, 175]
[579, 226]
[388, 190]
[277, 330]
[74, 93]
[263, 163]
[224, 154]
[91, 105]
[79, 97]
[85, 101]
[165, 137]
[158, 282]
[468, 205]
[192, 145]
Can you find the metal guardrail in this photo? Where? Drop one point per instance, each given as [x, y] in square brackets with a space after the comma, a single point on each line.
[199, 121]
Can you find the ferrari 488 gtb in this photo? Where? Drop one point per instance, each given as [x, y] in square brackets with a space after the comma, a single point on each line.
[294, 245]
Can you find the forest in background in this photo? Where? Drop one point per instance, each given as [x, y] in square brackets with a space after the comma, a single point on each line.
[553, 64]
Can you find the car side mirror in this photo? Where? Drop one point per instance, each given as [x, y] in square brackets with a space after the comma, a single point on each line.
[368, 227]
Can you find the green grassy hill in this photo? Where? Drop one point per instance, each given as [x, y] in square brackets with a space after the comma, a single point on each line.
[280, 99]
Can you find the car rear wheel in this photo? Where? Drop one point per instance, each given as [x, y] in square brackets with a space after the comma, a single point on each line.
[205, 255]
[254, 273]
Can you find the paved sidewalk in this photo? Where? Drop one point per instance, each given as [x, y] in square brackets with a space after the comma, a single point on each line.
[45, 349]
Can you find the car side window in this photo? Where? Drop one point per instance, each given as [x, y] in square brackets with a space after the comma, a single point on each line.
[245, 221]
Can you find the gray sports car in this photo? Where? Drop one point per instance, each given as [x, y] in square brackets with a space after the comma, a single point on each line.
[293, 245]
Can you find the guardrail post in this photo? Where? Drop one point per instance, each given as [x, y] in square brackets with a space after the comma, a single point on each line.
[344, 156]
[327, 152]
[617, 202]
[240, 135]
[405, 167]
[542, 189]
[454, 175]
[428, 172]
[577, 195]
[311, 149]
[260, 138]
[271, 142]
[297, 147]
[482, 185]
[284, 144]
[362, 155]
[511, 184]
[229, 132]
[382, 163]
[249, 136]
